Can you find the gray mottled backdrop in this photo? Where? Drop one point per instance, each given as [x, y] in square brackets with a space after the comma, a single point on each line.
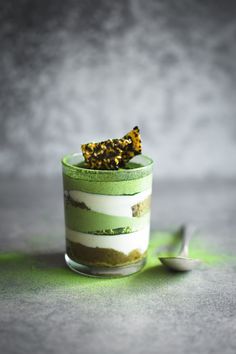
[75, 71]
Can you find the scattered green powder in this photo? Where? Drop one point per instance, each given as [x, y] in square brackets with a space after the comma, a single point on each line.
[25, 273]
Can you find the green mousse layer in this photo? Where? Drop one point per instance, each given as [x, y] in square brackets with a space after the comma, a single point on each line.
[89, 221]
[127, 187]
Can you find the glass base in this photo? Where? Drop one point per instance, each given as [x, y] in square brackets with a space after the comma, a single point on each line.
[105, 272]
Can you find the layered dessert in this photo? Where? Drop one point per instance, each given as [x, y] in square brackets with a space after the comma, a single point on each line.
[107, 206]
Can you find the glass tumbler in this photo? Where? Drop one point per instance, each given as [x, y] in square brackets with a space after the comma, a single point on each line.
[107, 216]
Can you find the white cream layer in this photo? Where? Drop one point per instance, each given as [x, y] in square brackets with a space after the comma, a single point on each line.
[124, 243]
[116, 205]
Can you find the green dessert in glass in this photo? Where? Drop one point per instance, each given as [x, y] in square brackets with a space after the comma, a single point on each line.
[107, 214]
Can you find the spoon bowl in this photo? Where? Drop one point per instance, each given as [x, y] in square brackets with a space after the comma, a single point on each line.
[181, 264]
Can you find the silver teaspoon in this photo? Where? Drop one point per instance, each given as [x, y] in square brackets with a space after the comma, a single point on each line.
[182, 262]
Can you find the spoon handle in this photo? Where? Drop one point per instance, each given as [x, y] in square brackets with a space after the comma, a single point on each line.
[187, 234]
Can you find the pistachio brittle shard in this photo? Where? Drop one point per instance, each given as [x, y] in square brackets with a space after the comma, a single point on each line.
[112, 154]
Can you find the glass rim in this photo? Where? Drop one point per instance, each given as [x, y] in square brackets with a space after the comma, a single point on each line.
[110, 172]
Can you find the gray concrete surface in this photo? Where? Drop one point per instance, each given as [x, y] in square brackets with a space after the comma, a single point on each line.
[151, 312]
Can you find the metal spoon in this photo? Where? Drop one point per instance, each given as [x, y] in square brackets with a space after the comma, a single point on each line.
[182, 262]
